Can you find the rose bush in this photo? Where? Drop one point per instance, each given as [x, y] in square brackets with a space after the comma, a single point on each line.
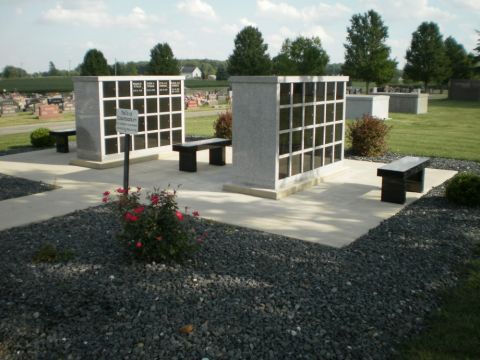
[156, 230]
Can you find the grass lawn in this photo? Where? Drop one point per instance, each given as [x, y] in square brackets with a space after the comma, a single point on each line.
[15, 141]
[200, 126]
[454, 332]
[27, 118]
[450, 129]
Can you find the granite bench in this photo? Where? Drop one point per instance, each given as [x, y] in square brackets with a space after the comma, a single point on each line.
[400, 176]
[61, 139]
[188, 152]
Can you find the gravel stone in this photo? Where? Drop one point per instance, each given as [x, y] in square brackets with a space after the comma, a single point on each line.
[248, 294]
[13, 187]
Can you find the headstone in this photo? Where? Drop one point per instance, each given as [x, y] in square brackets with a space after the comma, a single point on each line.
[68, 105]
[222, 99]
[192, 104]
[9, 109]
[48, 112]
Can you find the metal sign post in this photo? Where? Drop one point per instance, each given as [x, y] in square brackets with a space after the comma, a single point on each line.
[127, 123]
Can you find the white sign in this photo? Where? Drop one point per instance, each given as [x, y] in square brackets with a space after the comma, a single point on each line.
[127, 121]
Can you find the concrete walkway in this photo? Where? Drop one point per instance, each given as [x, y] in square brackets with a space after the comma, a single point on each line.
[334, 213]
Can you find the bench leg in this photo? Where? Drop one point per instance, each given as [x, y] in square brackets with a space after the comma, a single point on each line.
[393, 190]
[415, 183]
[217, 156]
[188, 161]
[62, 144]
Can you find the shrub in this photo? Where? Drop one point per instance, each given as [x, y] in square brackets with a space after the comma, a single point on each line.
[48, 253]
[464, 189]
[157, 230]
[41, 138]
[368, 136]
[223, 125]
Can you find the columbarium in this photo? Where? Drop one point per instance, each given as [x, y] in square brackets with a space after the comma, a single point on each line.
[158, 100]
[288, 132]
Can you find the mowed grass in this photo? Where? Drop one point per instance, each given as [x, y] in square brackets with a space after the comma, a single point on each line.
[27, 118]
[200, 126]
[450, 129]
[453, 332]
[15, 141]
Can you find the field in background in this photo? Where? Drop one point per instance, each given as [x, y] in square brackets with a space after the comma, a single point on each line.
[65, 84]
[27, 118]
[450, 129]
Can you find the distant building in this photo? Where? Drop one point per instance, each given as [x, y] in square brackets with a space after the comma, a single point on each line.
[191, 72]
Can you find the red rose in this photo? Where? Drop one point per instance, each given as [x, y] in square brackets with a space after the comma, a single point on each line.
[130, 217]
[106, 193]
[154, 199]
[196, 213]
[139, 209]
[139, 244]
[105, 199]
[179, 215]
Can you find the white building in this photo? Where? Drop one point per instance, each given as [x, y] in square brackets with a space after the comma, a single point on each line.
[191, 72]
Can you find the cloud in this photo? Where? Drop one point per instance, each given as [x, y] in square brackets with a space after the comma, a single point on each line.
[207, 30]
[276, 39]
[401, 10]
[472, 5]
[197, 8]
[231, 29]
[317, 31]
[246, 22]
[19, 11]
[282, 10]
[96, 14]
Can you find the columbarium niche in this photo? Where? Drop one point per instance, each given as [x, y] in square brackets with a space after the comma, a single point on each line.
[158, 100]
[287, 132]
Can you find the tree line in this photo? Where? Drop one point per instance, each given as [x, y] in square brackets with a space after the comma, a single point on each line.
[429, 58]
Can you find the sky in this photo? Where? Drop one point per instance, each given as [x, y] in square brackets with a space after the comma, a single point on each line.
[35, 32]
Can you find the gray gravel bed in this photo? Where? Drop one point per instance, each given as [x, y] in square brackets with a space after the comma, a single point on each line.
[12, 187]
[248, 294]
[436, 163]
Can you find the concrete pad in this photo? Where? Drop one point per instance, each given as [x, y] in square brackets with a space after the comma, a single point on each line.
[334, 212]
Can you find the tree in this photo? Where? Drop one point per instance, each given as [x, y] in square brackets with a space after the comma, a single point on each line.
[52, 70]
[94, 63]
[459, 63]
[222, 73]
[10, 72]
[426, 59]
[162, 61]
[206, 69]
[121, 68]
[367, 55]
[303, 56]
[250, 54]
[477, 49]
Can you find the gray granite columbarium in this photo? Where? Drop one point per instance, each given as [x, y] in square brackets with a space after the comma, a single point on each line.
[374, 105]
[288, 132]
[159, 102]
[413, 103]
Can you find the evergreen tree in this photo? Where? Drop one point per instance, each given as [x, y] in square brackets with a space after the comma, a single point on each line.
[367, 55]
[426, 59]
[94, 64]
[52, 70]
[222, 73]
[250, 54]
[303, 56]
[162, 61]
[459, 63]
